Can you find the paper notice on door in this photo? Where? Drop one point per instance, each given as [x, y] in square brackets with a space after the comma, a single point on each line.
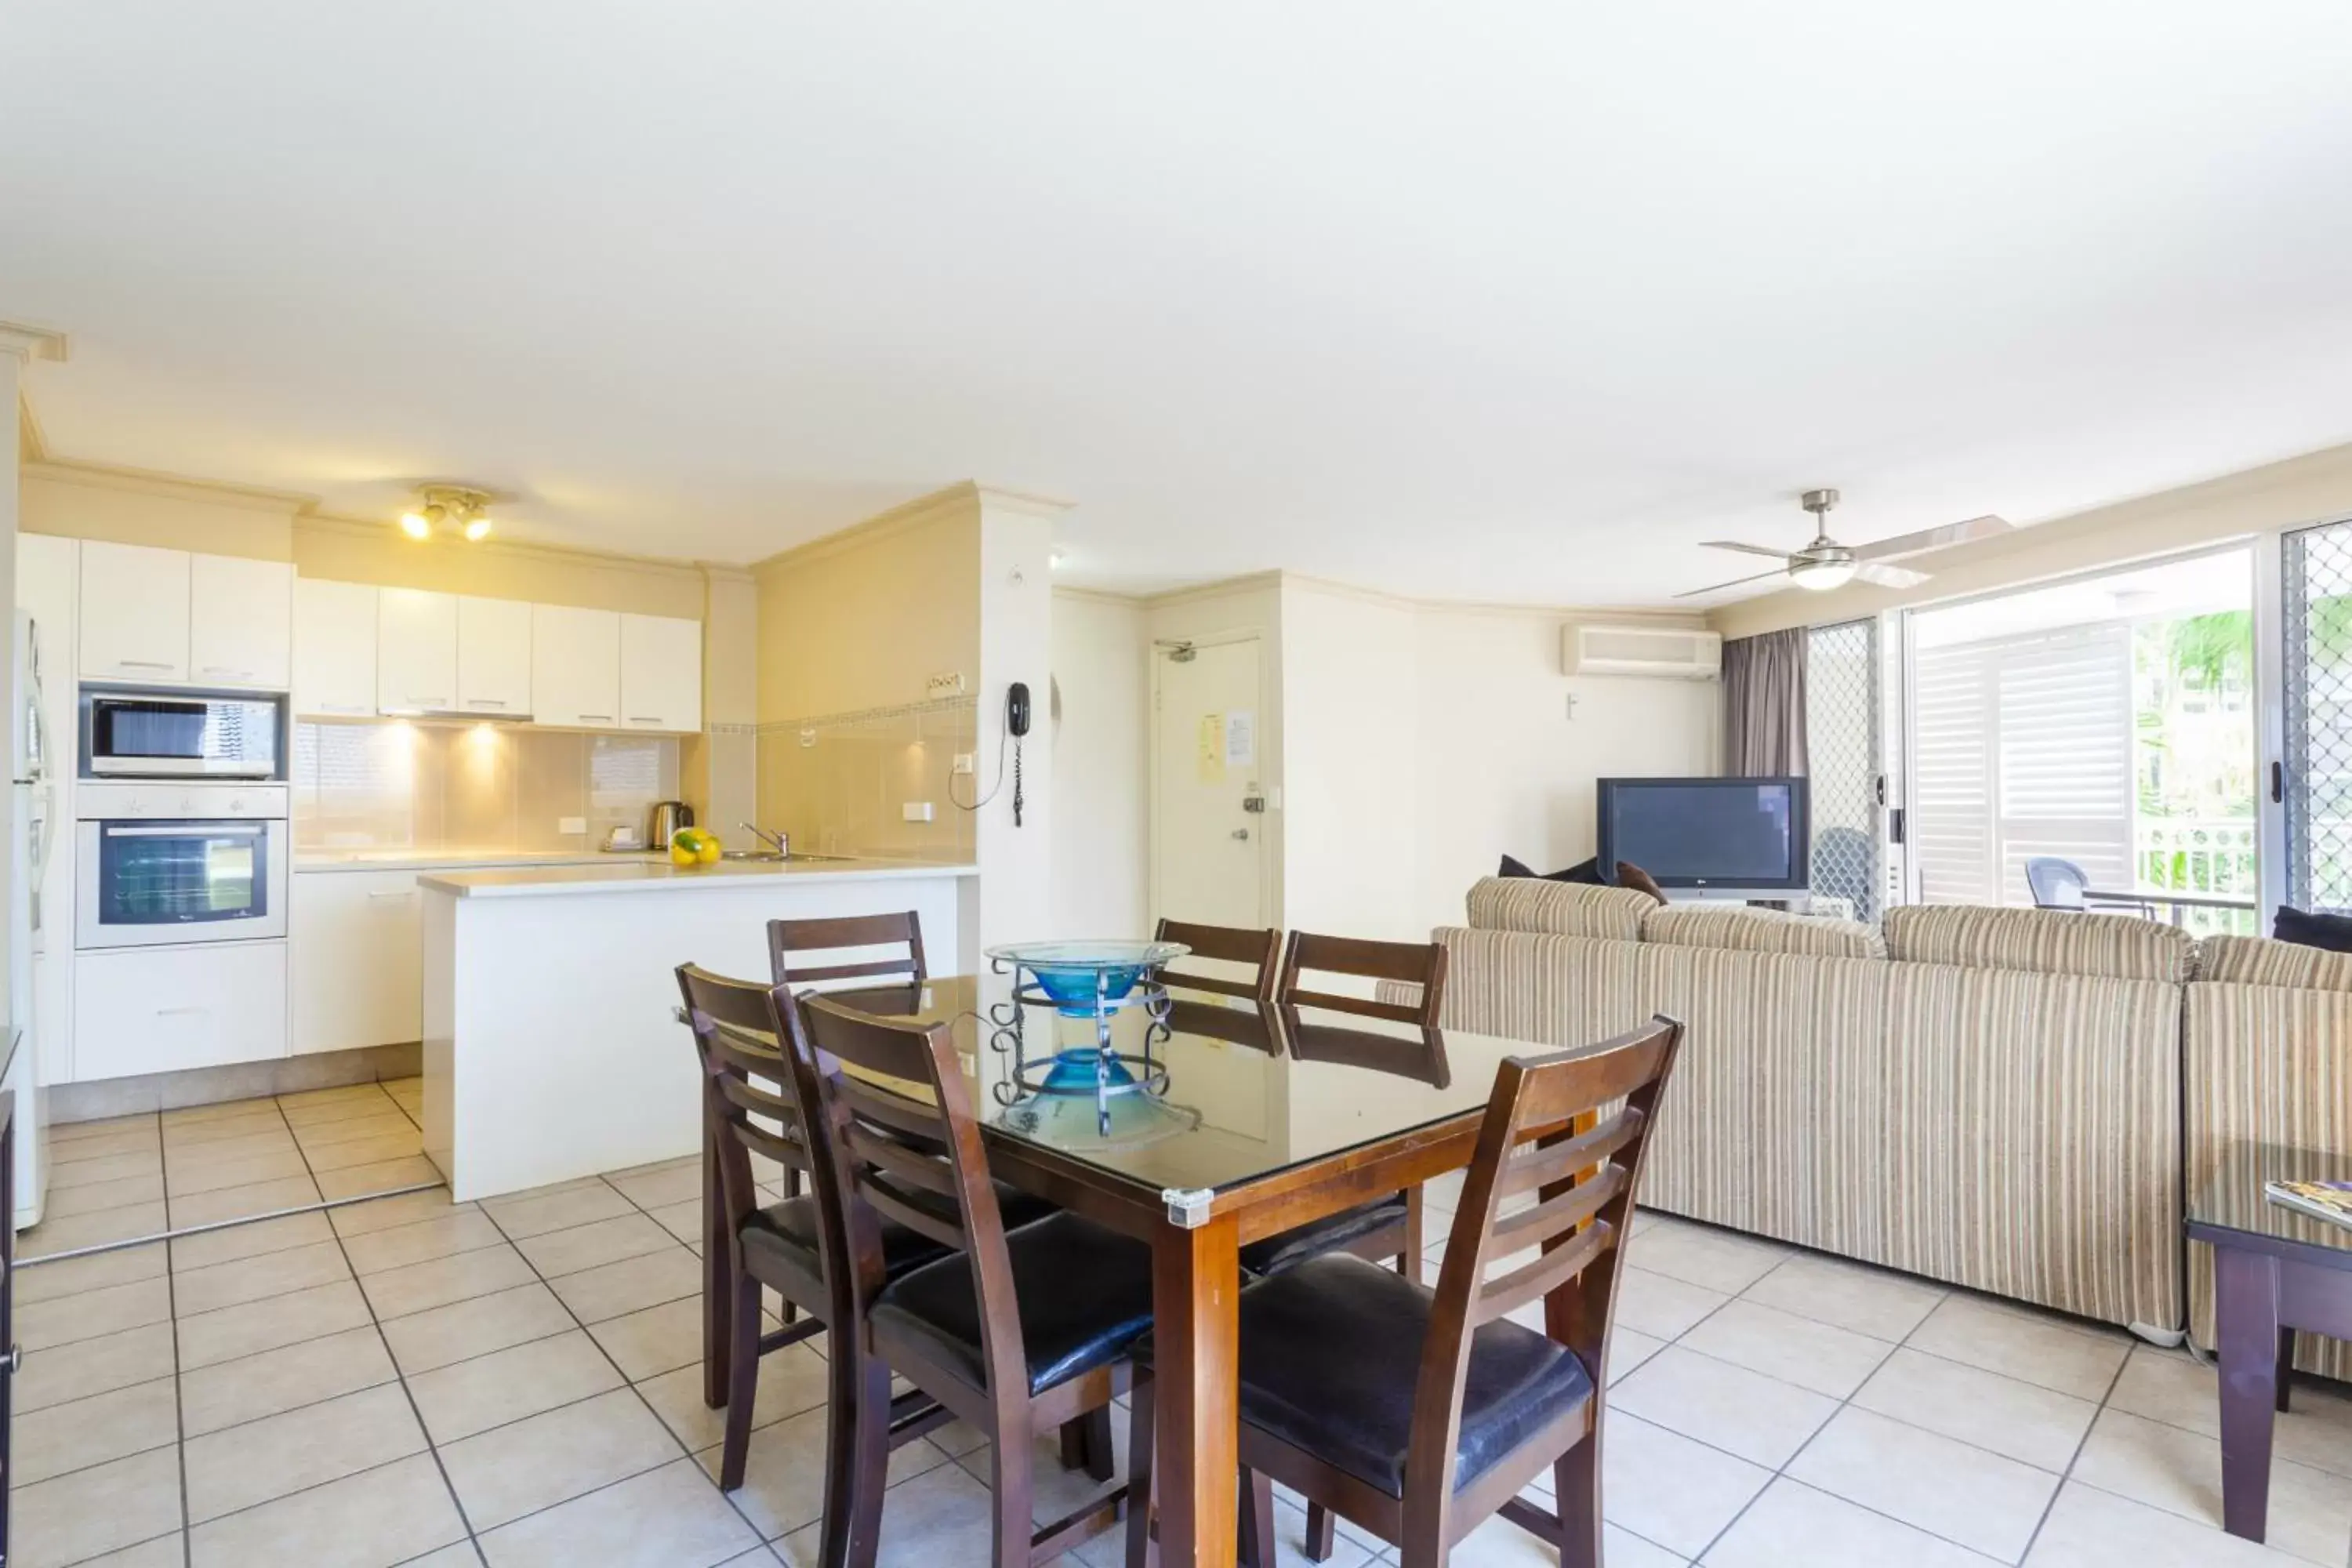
[1241, 739]
[1211, 753]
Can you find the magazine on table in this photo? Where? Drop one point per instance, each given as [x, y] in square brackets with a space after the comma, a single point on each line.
[2330, 1201]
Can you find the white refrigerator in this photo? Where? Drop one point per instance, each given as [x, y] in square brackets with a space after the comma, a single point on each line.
[29, 802]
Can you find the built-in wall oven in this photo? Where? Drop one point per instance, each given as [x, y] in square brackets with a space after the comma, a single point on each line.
[129, 732]
[160, 863]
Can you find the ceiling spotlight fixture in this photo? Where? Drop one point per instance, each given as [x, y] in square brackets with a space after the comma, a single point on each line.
[448, 509]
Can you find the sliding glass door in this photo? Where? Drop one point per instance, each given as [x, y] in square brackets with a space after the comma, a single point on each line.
[2314, 786]
[1843, 760]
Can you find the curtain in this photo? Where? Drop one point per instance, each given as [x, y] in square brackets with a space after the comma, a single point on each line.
[1764, 705]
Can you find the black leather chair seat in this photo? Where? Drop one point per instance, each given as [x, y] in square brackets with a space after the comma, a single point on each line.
[1274, 1254]
[783, 1236]
[1085, 1296]
[1330, 1351]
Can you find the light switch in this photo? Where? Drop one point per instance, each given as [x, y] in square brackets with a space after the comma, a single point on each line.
[915, 811]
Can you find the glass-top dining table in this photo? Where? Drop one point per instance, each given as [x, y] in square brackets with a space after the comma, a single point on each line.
[1317, 1124]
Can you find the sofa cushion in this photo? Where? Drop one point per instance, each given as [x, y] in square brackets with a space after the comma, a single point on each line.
[1759, 930]
[2042, 941]
[1542, 908]
[2313, 928]
[2255, 961]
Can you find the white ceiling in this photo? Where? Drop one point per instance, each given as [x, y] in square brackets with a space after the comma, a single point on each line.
[1509, 303]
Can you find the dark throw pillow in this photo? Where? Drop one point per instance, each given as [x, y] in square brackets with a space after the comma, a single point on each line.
[1585, 871]
[2311, 929]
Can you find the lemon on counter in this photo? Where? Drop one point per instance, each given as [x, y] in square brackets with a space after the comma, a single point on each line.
[692, 847]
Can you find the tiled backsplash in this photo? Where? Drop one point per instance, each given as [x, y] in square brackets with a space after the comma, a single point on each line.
[840, 785]
[394, 784]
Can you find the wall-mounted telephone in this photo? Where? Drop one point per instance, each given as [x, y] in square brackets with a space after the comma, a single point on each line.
[1016, 725]
[1016, 709]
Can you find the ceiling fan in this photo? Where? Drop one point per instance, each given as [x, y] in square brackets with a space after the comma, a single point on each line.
[1825, 564]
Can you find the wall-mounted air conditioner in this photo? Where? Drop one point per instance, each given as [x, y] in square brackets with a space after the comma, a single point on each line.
[1668, 653]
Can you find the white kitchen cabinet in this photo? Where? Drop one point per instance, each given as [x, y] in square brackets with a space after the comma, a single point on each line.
[134, 613]
[416, 651]
[494, 657]
[334, 649]
[661, 673]
[165, 1009]
[240, 621]
[575, 667]
[356, 939]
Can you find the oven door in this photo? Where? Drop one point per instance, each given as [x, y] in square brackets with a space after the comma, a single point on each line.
[147, 883]
[137, 734]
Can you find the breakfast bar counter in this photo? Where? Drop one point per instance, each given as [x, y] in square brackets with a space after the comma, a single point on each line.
[551, 1048]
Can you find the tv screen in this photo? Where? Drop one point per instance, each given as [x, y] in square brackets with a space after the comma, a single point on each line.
[1707, 832]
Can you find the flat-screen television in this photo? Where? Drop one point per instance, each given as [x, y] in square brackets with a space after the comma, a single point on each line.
[1708, 832]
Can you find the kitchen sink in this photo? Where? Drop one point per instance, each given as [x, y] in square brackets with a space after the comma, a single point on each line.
[768, 857]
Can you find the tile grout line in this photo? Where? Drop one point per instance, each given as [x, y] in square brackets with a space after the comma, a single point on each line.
[2075, 1458]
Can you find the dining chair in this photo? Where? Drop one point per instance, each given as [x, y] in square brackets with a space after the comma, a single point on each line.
[1020, 1331]
[901, 932]
[752, 1110]
[1419, 1414]
[1259, 952]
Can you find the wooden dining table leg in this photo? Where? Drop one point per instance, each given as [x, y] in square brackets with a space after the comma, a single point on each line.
[1195, 1289]
[717, 1290]
[2246, 1328]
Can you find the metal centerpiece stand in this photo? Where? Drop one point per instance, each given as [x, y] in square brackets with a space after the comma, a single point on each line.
[1076, 1087]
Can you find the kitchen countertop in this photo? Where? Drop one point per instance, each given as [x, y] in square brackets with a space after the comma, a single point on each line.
[454, 860]
[636, 874]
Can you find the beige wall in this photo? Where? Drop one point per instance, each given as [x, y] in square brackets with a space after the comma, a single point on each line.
[2312, 488]
[132, 508]
[1101, 750]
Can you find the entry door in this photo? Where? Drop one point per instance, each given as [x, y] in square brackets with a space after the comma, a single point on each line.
[1208, 822]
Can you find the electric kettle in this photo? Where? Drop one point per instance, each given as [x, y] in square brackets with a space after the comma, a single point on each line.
[669, 816]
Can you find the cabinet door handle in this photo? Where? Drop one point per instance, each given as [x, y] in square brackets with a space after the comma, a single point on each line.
[634, 719]
[174, 1012]
[224, 670]
[486, 701]
[144, 663]
[596, 718]
[403, 893]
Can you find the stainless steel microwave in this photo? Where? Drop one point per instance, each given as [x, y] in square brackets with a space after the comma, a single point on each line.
[131, 733]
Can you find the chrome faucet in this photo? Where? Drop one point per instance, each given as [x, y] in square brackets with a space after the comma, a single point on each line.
[775, 841]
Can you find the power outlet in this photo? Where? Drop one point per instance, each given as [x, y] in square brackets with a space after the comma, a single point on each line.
[965, 764]
[916, 810]
[571, 825]
[948, 684]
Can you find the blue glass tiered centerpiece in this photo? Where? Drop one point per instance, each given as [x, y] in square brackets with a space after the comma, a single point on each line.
[1079, 1089]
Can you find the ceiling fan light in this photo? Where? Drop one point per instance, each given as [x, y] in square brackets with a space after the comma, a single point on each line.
[1820, 577]
[416, 525]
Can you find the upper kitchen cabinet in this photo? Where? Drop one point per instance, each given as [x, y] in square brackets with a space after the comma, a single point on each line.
[134, 613]
[494, 657]
[661, 673]
[416, 651]
[240, 615]
[575, 667]
[334, 645]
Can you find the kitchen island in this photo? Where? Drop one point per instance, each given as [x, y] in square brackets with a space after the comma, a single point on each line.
[552, 1051]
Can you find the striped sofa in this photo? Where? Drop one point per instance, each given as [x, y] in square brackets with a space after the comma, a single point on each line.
[1987, 1097]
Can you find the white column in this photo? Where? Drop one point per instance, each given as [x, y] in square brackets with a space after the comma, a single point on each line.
[19, 346]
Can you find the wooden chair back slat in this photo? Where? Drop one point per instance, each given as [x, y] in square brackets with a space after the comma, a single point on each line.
[1257, 1026]
[750, 1106]
[1362, 1006]
[788, 939]
[1420, 1055]
[1570, 1211]
[1499, 1298]
[907, 1167]
[1559, 1162]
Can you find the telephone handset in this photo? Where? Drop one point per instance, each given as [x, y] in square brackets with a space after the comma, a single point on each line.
[1016, 725]
[1016, 709]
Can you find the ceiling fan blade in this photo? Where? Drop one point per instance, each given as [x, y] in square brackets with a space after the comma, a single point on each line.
[1735, 583]
[1744, 549]
[1949, 534]
[1887, 576]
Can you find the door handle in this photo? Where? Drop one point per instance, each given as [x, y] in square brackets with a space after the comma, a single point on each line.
[1241, 833]
[2278, 783]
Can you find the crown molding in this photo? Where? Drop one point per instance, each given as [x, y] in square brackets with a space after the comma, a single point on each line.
[174, 487]
[32, 446]
[34, 342]
[362, 528]
[962, 496]
[1248, 582]
[724, 572]
[1029, 503]
[1101, 596]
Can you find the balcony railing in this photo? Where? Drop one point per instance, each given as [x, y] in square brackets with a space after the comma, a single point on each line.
[2206, 857]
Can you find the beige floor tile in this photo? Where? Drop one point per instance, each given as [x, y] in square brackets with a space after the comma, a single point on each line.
[599, 1242]
[458, 1554]
[518, 1469]
[2022, 1420]
[1794, 1526]
[2023, 1344]
[91, 1314]
[399, 1245]
[64, 1203]
[164, 1552]
[95, 1170]
[1875, 1301]
[556, 1208]
[94, 1512]
[938, 1518]
[2091, 1528]
[1759, 1418]
[674, 1182]
[217, 1111]
[683, 1221]
[1820, 1356]
[226, 1143]
[1979, 1499]
[506, 1386]
[631, 1285]
[309, 1119]
[256, 1279]
[226, 1245]
[1497, 1544]
[784, 1478]
[1725, 1260]
[100, 1229]
[454, 1333]
[232, 1161]
[182, 1136]
[241, 1202]
[93, 1431]
[384, 1213]
[307, 1099]
[76, 1371]
[669, 1518]
[2180, 1472]
[791, 1380]
[376, 1151]
[654, 1341]
[379, 1176]
[319, 1135]
[370, 1520]
[98, 1271]
[1628, 1349]
[256, 1326]
[91, 1139]
[1670, 1490]
[2167, 1386]
[1662, 1306]
[247, 1389]
[438, 1282]
[250, 1465]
